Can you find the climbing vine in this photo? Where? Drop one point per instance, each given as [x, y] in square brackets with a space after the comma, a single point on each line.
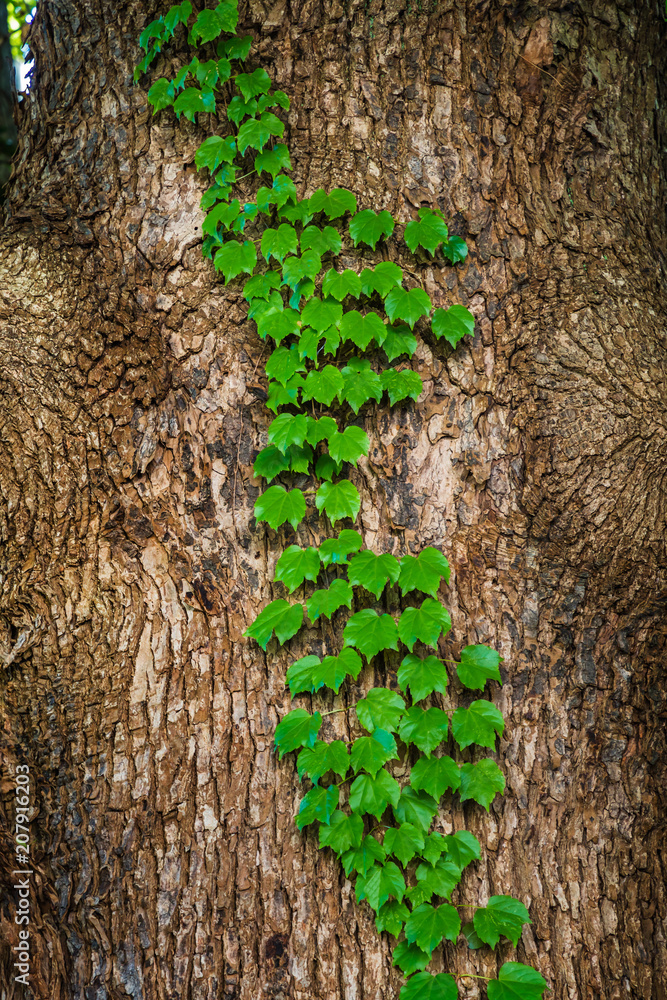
[340, 339]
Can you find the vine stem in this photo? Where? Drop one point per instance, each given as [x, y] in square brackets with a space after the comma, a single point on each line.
[335, 711]
[469, 975]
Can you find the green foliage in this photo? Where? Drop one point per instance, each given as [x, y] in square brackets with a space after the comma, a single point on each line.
[334, 551]
[373, 572]
[401, 384]
[381, 882]
[478, 665]
[279, 616]
[333, 205]
[338, 284]
[316, 760]
[360, 384]
[429, 232]
[516, 982]
[422, 676]
[453, 324]
[298, 729]
[424, 624]
[278, 505]
[381, 279]
[481, 782]
[407, 305]
[424, 986]
[338, 500]
[423, 572]
[326, 602]
[477, 724]
[428, 925]
[368, 227]
[296, 565]
[435, 775]
[370, 633]
[372, 752]
[502, 915]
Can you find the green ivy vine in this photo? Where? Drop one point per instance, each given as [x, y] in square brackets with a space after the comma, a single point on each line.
[330, 329]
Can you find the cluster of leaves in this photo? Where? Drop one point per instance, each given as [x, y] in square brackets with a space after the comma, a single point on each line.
[321, 319]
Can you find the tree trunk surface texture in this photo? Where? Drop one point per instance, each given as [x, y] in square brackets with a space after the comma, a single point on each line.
[167, 862]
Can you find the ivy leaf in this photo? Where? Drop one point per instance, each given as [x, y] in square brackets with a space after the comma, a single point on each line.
[410, 958]
[381, 279]
[253, 84]
[326, 468]
[320, 430]
[370, 633]
[361, 384]
[477, 724]
[300, 675]
[331, 340]
[424, 572]
[237, 109]
[299, 212]
[309, 342]
[298, 729]
[468, 931]
[440, 878]
[160, 96]
[422, 677]
[209, 25]
[415, 807]
[300, 457]
[372, 752]
[502, 915]
[425, 727]
[429, 232]
[325, 602]
[322, 241]
[284, 190]
[288, 429]
[407, 305]
[295, 269]
[323, 385]
[256, 132]
[478, 665]
[381, 708]
[278, 97]
[336, 203]
[237, 48]
[373, 572]
[285, 618]
[272, 161]
[278, 505]
[373, 794]
[424, 986]
[429, 925]
[462, 848]
[333, 670]
[391, 917]
[224, 214]
[279, 242]
[322, 313]
[318, 804]
[284, 395]
[434, 843]
[349, 445]
[368, 227]
[283, 363]
[426, 623]
[270, 462]
[379, 884]
[400, 385]
[362, 858]
[155, 29]
[260, 286]
[435, 775]
[296, 565]
[234, 258]
[278, 324]
[338, 284]
[323, 757]
[343, 833]
[338, 500]
[399, 340]
[480, 782]
[362, 329]
[336, 550]
[192, 100]
[516, 982]
[228, 15]
[453, 324]
[455, 249]
[403, 841]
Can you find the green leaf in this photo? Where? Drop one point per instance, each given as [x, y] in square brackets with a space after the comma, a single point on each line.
[319, 430]
[422, 677]
[318, 804]
[300, 457]
[284, 618]
[502, 915]
[323, 757]
[270, 462]
[370, 633]
[308, 344]
[300, 675]
[235, 258]
[336, 550]
[373, 572]
[278, 505]
[362, 329]
[237, 109]
[278, 324]
[368, 227]
[434, 843]
[326, 468]
[192, 100]
[351, 444]
[322, 241]
[283, 363]
[278, 98]
[477, 724]
[429, 925]
[260, 286]
[296, 565]
[253, 84]
[284, 190]
[372, 752]
[360, 384]
[462, 848]
[228, 15]
[325, 602]
[333, 670]
[400, 385]
[415, 807]
[209, 25]
[299, 212]
[336, 203]
[423, 572]
[424, 986]
[471, 936]
[453, 324]
[379, 884]
[403, 841]
[288, 429]
[381, 708]
[237, 48]
[273, 160]
[155, 29]
[410, 958]
[440, 878]
[478, 665]
[381, 279]
[279, 242]
[284, 395]
[295, 269]
[516, 982]
[338, 284]
[391, 917]
[407, 305]
[160, 96]
[373, 794]
[362, 858]
[331, 340]
[425, 624]
[425, 727]
[399, 340]
[481, 782]
[435, 775]
[343, 833]
[256, 132]
[298, 729]
[224, 214]
[321, 314]
[338, 500]
[429, 232]
[455, 249]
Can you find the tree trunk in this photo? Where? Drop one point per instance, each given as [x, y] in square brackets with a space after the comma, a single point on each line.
[7, 126]
[167, 863]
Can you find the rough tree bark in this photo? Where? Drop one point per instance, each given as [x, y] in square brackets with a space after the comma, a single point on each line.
[167, 861]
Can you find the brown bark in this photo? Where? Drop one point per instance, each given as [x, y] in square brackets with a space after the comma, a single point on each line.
[168, 864]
